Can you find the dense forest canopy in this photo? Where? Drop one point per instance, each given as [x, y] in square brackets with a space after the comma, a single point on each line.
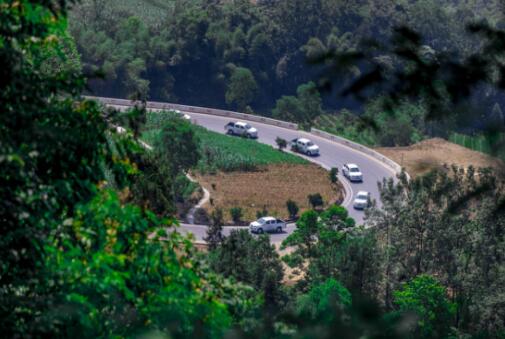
[89, 246]
[191, 51]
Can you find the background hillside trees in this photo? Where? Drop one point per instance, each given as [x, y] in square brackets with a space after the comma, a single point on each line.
[241, 88]
[183, 50]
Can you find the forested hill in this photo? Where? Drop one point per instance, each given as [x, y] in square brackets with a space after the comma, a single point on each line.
[244, 53]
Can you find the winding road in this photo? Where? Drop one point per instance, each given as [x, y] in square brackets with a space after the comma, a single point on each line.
[333, 154]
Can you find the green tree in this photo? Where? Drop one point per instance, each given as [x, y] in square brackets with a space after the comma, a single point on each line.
[178, 145]
[322, 251]
[427, 299]
[42, 178]
[251, 260]
[214, 235]
[292, 208]
[324, 302]
[121, 253]
[281, 143]
[241, 88]
[337, 217]
[310, 101]
[315, 200]
[78, 260]
[236, 214]
[303, 108]
[333, 175]
[288, 108]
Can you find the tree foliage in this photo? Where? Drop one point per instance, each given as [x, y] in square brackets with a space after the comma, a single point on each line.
[427, 299]
[253, 261]
[241, 88]
[77, 258]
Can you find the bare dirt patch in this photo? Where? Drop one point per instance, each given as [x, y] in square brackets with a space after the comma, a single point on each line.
[269, 188]
[430, 154]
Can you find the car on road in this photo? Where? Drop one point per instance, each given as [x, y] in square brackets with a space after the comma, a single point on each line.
[362, 200]
[352, 172]
[242, 129]
[267, 224]
[181, 114]
[306, 146]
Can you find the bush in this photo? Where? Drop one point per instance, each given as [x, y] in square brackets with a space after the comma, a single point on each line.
[281, 143]
[333, 175]
[292, 208]
[236, 214]
[315, 200]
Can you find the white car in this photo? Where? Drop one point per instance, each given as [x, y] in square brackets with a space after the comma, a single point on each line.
[352, 172]
[267, 224]
[181, 114]
[304, 145]
[362, 200]
[242, 129]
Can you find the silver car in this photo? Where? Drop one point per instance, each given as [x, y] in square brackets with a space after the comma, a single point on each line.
[267, 224]
[352, 172]
[362, 200]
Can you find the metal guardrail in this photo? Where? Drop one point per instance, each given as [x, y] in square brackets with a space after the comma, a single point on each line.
[196, 109]
[255, 118]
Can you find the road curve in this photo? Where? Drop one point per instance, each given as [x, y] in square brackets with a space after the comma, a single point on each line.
[332, 155]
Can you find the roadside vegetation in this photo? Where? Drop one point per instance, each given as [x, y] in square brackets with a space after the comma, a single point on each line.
[81, 256]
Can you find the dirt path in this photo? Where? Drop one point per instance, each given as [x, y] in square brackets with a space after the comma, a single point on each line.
[205, 199]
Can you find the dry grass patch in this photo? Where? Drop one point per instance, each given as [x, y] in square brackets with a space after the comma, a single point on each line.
[270, 187]
[426, 155]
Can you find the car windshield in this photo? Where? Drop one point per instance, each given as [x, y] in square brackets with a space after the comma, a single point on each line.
[362, 196]
[310, 143]
[247, 126]
[354, 169]
[261, 221]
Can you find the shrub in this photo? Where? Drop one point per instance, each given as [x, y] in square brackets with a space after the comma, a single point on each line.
[215, 230]
[236, 214]
[333, 175]
[281, 143]
[292, 208]
[315, 200]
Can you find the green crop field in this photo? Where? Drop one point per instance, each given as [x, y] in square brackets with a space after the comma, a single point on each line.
[226, 153]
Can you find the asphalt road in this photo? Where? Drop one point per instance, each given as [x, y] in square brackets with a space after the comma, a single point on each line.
[332, 154]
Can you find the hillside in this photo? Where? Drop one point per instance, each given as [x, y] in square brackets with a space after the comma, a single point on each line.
[427, 155]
